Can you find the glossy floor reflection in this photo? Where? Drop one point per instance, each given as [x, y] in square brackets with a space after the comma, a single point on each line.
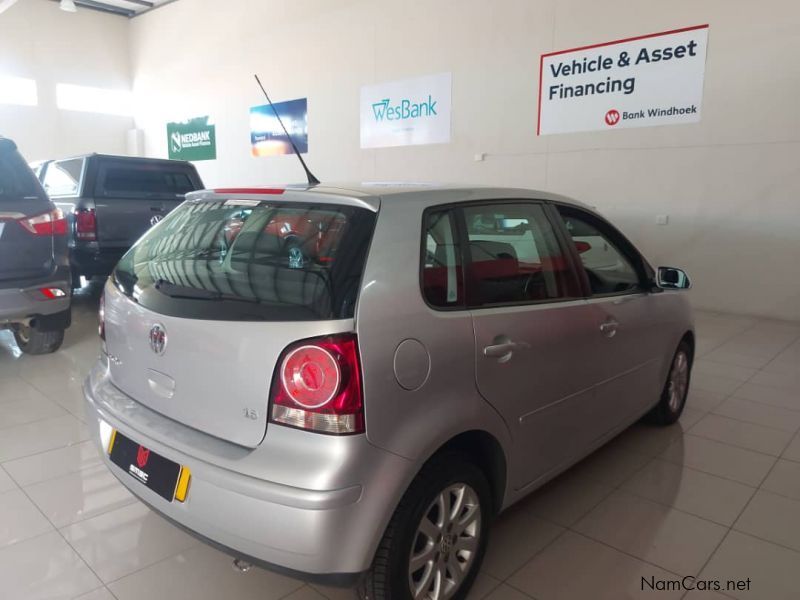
[716, 496]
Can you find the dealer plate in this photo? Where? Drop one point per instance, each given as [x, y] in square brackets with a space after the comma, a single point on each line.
[166, 478]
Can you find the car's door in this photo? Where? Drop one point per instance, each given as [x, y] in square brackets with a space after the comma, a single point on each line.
[628, 351]
[534, 333]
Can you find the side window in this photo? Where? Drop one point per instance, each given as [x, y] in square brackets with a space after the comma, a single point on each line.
[514, 256]
[63, 177]
[142, 181]
[609, 269]
[442, 279]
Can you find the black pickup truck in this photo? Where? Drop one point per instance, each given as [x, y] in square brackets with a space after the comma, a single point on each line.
[110, 201]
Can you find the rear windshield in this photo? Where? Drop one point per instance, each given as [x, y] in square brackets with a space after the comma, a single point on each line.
[143, 181]
[16, 178]
[225, 260]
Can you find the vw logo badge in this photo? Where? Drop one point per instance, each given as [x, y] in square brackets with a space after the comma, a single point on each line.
[158, 339]
[156, 219]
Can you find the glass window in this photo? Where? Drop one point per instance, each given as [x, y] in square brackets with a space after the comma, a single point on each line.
[18, 90]
[515, 256]
[442, 282]
[62, 178]
[143, 181]
[609, 270]
[95, 100]
[16, 179]
[270, 262]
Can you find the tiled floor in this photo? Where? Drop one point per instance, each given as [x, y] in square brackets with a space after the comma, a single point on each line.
[717, 496]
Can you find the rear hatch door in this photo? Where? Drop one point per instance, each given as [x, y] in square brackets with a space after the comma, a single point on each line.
[131, 195]
[23, 254]
[200, 310]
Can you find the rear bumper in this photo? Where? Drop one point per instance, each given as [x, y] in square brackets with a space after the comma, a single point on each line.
[317, 511]
[22, 302]
[89, 260]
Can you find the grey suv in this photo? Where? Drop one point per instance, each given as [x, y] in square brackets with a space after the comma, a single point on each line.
[347, 383]
[34, 262]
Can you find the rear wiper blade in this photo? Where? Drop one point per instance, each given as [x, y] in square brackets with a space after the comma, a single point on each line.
[174, 290]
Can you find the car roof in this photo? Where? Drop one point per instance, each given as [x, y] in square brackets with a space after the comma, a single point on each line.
[118, 157]
[372, 194]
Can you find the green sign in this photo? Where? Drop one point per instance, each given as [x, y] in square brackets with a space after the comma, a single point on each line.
[194, 139]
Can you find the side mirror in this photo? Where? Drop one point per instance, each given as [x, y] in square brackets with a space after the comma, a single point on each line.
[671, 278]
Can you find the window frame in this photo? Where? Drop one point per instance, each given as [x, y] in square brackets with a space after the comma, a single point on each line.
[643, 270]
[575, 270]
[457, 231]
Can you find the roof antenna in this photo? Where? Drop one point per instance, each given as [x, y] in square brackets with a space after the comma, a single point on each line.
[311, 179]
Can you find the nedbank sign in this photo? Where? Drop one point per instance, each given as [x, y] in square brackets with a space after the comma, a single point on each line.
[405, 113]
[194, 139]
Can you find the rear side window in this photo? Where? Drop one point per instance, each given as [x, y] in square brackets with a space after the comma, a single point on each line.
[63, 177]
[442, 277]
[284, 261]
[514, 256]
[16, 178]
[142, 181]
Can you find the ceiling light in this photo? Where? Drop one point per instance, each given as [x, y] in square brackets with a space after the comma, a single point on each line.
[67, 6]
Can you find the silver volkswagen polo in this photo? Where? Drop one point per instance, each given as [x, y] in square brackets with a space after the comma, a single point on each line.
[347, 384]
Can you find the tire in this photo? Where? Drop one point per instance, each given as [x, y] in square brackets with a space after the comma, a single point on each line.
[676, 389]
[446, 479]
[32, 341]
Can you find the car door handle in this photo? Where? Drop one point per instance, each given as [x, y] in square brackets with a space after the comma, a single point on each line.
[609, 328]
[503, 348]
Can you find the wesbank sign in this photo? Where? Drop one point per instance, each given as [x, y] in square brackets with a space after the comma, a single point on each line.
[408, 112]
[405, 109]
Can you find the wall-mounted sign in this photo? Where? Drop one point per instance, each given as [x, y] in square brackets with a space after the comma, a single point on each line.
[406, 113]
[194, 139]
[266, 134]
[654, 79]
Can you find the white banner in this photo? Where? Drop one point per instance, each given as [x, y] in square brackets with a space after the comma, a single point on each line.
[406, 113]
[649, 80]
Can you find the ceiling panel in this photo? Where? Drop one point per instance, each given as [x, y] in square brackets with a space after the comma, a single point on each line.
[123, 8]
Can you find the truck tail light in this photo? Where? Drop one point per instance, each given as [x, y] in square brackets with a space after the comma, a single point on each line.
[86, 224]
[317, 386]
[47, 224]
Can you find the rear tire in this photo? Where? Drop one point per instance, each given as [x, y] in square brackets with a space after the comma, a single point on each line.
[676, 389]
[32, 341]
[443, 523]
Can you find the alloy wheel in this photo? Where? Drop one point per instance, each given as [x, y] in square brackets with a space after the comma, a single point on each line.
[446, 544]
[678, 381]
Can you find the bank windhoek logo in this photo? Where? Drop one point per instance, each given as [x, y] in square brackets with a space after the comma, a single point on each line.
[612, 117]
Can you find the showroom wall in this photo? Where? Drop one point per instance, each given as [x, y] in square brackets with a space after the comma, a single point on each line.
[730, 184]
[40, 42]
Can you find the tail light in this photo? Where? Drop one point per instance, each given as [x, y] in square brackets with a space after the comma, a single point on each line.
[101, 317]
[317, 386]
[46, 224]
[86, 225]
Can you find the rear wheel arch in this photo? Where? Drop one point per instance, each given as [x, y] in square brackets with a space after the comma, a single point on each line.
[484, 450]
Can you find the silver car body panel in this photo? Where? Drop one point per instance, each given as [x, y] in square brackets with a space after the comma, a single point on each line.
[319, 504]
